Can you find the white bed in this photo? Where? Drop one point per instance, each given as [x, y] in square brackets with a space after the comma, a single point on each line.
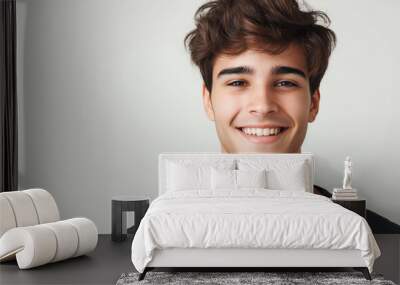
[192, 224]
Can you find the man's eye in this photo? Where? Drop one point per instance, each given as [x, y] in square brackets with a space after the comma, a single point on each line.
[237, 83]
[286, 84]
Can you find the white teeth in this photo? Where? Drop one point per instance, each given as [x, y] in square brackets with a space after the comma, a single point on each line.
[262, 132]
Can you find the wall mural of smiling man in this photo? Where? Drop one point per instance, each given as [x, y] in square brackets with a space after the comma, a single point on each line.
[262, 62]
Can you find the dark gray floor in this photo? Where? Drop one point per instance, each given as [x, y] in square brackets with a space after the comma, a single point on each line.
[102, 266]
[111, 259]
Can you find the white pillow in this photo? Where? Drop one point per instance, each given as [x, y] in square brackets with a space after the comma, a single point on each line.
[282, 174]
[237, 179]
[294, 178]
[223, 179]
[186, 174]
[183, 177]
[251, 178]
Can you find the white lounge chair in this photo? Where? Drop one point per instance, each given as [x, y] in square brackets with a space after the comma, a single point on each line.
[32, 233]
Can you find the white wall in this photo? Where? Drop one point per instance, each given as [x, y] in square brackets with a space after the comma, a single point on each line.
[104, 86]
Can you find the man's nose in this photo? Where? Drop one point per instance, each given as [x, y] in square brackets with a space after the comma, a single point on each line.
[262, 102]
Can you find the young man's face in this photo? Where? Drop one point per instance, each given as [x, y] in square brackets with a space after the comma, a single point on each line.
[261, 102]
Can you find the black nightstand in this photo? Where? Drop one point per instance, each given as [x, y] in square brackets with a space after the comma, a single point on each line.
[122, 204]
[357, 206]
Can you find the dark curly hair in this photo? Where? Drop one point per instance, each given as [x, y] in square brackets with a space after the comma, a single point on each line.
[233, 26]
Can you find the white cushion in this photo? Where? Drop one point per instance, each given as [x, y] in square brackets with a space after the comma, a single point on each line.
[67, 237]
[23, 208]
[223, 179]
[251, 178]
[187, 177]
[32, 246]
[87, 233]
[237, 179]
[294, 178]
[27, 208]
[7, 220]
[45, 205]
[187, 174]
[287, 174]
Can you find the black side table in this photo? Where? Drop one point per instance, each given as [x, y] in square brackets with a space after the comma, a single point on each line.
[357, 206]
[122, 204]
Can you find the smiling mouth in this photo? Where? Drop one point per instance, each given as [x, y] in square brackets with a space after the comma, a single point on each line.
[262, 132]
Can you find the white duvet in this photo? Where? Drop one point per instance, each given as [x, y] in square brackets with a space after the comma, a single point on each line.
[251, 218]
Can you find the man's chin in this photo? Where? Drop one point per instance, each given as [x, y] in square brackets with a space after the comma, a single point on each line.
[256, 149]
[261, 150]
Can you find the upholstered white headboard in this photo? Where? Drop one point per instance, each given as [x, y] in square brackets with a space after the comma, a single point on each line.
[165, 158]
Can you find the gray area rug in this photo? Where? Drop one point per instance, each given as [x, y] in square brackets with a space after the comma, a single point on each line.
[225, 278]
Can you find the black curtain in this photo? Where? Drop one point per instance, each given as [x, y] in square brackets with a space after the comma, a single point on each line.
[8, 97]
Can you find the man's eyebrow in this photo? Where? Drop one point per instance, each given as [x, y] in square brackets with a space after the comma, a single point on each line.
[280, 69]
[236, 70]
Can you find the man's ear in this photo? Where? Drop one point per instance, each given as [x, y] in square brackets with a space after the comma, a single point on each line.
[207, 103]
[314, 107]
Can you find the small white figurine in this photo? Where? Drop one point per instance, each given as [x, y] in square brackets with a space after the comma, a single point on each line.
[347, 173]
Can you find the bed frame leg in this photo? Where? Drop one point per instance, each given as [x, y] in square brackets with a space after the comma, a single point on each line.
[143, 274]
[364, 271]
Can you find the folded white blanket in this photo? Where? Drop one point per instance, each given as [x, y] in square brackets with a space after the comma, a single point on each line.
[250, 218]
